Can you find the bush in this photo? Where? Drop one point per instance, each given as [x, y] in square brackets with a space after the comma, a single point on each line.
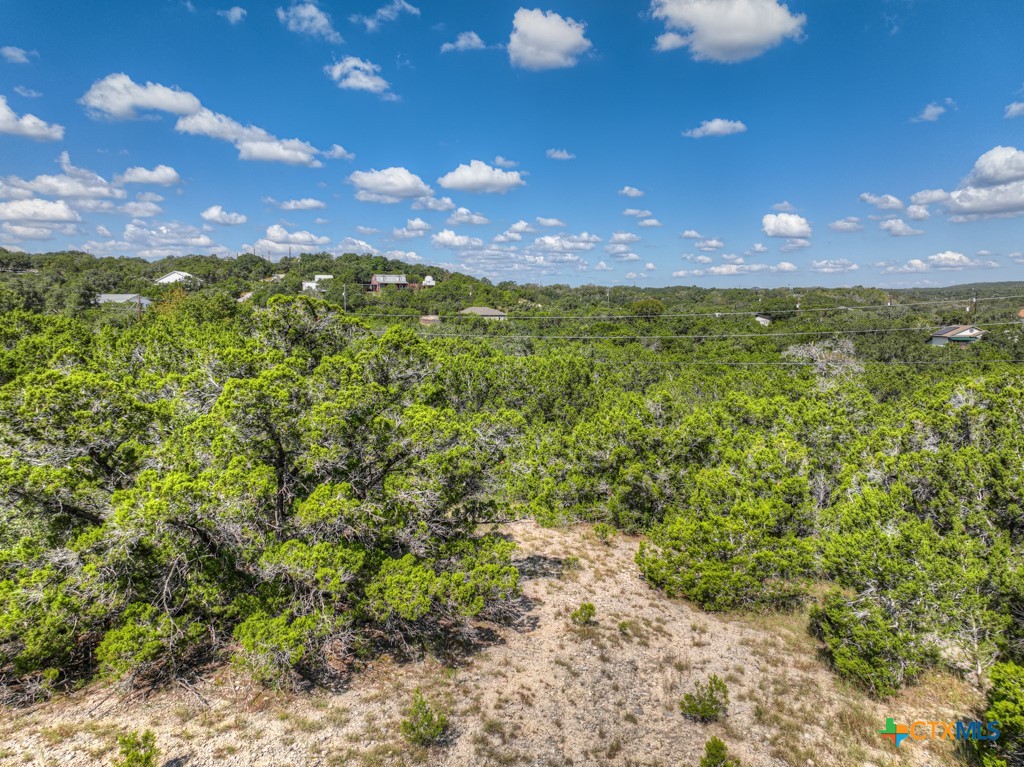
[583, 614]
[137, 750]
[425, 724]
[717, 755]
[865, 648]
[1006, 706]
[604, 532]
[708, 702]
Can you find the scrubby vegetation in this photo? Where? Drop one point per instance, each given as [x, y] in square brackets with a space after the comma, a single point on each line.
[294, 486]
[708, 702]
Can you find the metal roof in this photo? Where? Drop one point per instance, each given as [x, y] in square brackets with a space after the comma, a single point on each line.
[951, 331]
[483, 311]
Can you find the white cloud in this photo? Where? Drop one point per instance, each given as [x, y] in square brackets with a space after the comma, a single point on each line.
[338, 152]
[216, 214]
[649, 222]
[636, 212]
[478, 176]
[522, 226]
[28, 93]
[736, 269]
[234, 15]
[446, 238]
[42, 231]
[282, 236]
[929, 196]
[357, 74]
[72, 183]
[999, 165]
[833, 266]
[550, 221]
[306, 203]
[388, 12]
[466, 216]
[709, 246]
[161, 175]
[931, 113]
[434, 203]
[27, 125]
[389, 185]
[848, 224]
[601, 266]
[630, 191]
[620, 238]
[897, 227]
[414, 227]
[308, 19]
[692, 234]
[1016, 109]
[795, 243]
[725, 30]
[918, 212]
[545, 40]
[758, 247]
[352, 245]
[13, 55]
[118, 96]
[559, 243]
[503, 162]
[883, 202]
[466, 41]
[716, 127]
[785, 225]
[784, 207]
[367, 230]
[649, 266]
[560, 154]
[947, 260]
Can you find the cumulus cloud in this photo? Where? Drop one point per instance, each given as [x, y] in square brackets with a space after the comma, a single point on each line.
[161, 175]
[897, 227]
[14, 55]
[73, 183]
[709, 246]
[630, 191]
[947, 260]
[234, 15]
[544, 40]
[794, 243]
[434, 203]
[999, 165]
[934, 111]
[929, 196]
[503, 162]
[550, 221]
[649, 222]
[34, 209]
[758, 247]
[560, 154]
[834, 266]
[882, 202]
[306, 203]
[848, 224]
[357, 74]
[308, 19]
[559, 243]
[636, 212]
[1016, 109]
[736, 269]
[601, 266]
[785, 225]
[466, 41]
[216, 214]
[389, 185]
[466, 216]
[446, 238]
[918, 212]
[716, 127]
[338, 152]
[27, 125]
[414, 227]
[624, 238]
[28, 93]
[478, 176]
[388, 12]
[117, 96]
[692, 234]
[725, 30]
[784, 207]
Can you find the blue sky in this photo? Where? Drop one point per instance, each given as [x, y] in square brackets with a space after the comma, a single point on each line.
[655, 142]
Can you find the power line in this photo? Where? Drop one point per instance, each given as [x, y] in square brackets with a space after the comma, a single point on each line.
[716, 315]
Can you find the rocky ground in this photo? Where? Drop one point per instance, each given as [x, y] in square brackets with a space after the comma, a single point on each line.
[544, 692]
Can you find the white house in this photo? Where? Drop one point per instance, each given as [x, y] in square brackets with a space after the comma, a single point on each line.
[486, 312]
[428, 282]
[960, 335]
[763, 319]
[172, 277]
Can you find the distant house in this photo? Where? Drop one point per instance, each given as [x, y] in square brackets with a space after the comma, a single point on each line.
[314, 284]
[428, 282]
[172, 277]
[763, 319]
[486, 312]
[318, 277]
[133, 299]
[961, 335]
[429, 319]
[378, 281]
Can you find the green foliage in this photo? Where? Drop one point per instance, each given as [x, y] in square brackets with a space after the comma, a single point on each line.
[426, 724]
[1006, 706]
[137, 750]
[583, 614]
[708, 702]
[604, 532]
[717, 755]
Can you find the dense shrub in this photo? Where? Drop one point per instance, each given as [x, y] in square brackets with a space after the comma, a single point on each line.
[425, 725]
[708, 702]
[583, 614]
[1006, 706]
[717, 755]
[137, 750]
